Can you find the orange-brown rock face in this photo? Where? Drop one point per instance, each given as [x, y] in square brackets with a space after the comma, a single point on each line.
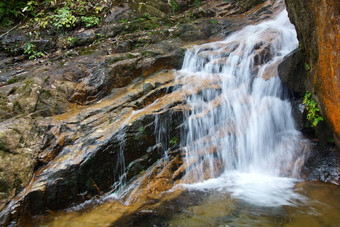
[318, 26]
[327, 79]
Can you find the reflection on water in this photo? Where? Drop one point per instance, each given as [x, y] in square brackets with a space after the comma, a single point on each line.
[219, 209]
[211, 207]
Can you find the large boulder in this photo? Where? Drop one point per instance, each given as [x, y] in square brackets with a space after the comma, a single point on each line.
[292, 72]
[318, 25]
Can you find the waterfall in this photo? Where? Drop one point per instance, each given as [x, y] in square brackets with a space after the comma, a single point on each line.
[239, 118]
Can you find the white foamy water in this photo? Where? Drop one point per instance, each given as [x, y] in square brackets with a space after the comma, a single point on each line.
[246, 118]
[256, 189]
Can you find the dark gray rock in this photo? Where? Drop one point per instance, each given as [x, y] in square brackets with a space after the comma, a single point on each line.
[84, 37]
[203, 11]
[122, 11]
[323, 165]
[297, 111]
[190, 33]
[292, 72]
[44, 45]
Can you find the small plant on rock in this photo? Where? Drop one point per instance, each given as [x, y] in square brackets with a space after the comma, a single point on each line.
[30, 50]
[313, 112]
[174, 6]
[90, 21]
[64, 18]
[173, 141]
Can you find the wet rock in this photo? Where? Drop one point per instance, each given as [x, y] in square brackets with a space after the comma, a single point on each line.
[317, 25]
[323, 165]
[111, 30]
[44, 45]
[248, 4]
[123, 46]
[18, 141]
[297, 111]
[84, 37]
[292, 72]
[113, 113]
[72, 179]
[189, 33]
[184, 5]
[116, 71]
[210, 27]
[203, 11]
[121, 11]
[12, 41]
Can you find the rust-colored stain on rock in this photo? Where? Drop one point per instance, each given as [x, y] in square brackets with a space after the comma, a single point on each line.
[327, 81]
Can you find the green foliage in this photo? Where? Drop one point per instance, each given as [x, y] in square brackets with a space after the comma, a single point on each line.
[30, 50]
[63, 18]
[307, 66]
[141, 130]
[174, 6]
[141, 133]
[312, 109]
[12, 11]
[197, 3]
[30, 7]
[90, 21]
[173, 141]
[213, 21]
[123, 20]
[60, 14]
[71, 40]
[146, 22]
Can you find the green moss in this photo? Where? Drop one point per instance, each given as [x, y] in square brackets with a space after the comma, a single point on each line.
[130, 56]
[47, 80]
[45, 94]
[197, 3]
[14, 80]
[60, 89]
[149, 54]
[88, 50]
[141, 133]
[3, 104]
[17, 107]
[213, 21]
[27, 85]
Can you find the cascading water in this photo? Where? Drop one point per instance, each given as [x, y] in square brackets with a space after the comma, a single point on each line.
[240, 145]
[243, 121]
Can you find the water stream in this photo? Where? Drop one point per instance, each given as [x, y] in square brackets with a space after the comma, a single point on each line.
[247, 119]
[242, 151]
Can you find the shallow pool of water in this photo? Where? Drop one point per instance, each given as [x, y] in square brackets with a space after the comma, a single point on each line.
[189, 206]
